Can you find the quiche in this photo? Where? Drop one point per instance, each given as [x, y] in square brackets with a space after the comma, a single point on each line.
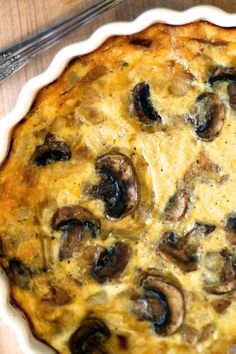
[118, 198]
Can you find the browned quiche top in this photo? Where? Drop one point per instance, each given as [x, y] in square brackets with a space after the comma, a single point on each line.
[118, 198]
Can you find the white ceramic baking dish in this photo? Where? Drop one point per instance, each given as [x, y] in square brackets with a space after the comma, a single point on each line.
[10, 315]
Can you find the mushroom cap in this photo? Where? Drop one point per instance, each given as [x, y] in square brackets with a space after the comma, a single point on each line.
[164, 294]
[89, 337]
[223, 74]
[119, 185]
[210, 116]
[51, 151]
[111, 262]
[141, 104]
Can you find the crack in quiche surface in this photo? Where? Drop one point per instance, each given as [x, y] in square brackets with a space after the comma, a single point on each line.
[118, 198]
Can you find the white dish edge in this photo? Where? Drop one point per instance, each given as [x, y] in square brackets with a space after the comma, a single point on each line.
[11, 316]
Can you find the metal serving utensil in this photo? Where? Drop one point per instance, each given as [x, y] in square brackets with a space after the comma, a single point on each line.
[15, 57]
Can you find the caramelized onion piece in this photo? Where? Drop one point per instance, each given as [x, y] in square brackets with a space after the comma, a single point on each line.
[111, 262]
[223, 74]
[89, 337]
[119, 186]
[189, 334]
[162, 303]
[141, 104]
[94, 74]
[57, 296]
[204, 170]
[220, 305]
[206, 332]
[51, 151]
[210, 116]
[72, 220]
[177, 206]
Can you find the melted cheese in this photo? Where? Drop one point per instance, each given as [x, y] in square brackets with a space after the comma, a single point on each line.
[88, 107]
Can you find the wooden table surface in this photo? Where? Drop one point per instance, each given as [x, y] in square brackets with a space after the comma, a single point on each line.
[21, 18]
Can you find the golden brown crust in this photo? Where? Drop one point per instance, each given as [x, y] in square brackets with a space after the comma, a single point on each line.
[87, 112]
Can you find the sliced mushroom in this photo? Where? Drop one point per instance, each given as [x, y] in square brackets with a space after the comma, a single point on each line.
[119, 186]
[230, 228]
[51, 151]
[177, 206]
[182, 251]
[172, 247]
[19, 274]
[162, 303]
[224, 275]
[89, 337]
[111, 262]
[141, 104]
[143, 42]
[223, 74]
[210, 116]
[232, 94]
[72, 220]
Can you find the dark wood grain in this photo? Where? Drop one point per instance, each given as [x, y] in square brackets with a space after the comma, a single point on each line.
[21, 18]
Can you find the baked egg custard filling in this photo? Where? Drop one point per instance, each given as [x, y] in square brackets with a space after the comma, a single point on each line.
[118, 198]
